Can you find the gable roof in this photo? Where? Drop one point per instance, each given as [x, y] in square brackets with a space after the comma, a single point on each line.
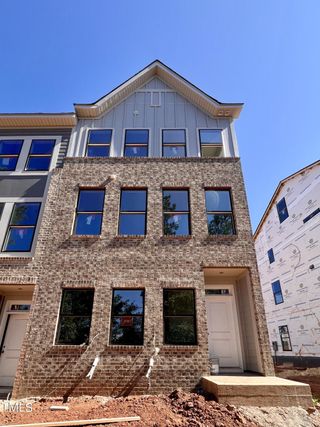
[277, 191]
[210, 105]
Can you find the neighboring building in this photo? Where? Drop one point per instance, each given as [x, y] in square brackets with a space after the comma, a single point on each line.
[288, 251]
[145, 241]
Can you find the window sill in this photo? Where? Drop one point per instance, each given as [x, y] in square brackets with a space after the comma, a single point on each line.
[125, 347]
[85, 237]
[9, 259]
[185, 237]
[70, 348]
[176, 347]
[131, 236]
[222, 237]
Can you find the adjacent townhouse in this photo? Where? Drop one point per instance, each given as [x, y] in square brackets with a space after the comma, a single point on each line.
[125, 234]
[288, 250]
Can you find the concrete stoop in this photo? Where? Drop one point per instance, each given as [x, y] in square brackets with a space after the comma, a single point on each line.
[257, 391]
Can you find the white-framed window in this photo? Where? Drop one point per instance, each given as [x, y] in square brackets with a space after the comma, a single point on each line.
[28, 154]
[210, 142]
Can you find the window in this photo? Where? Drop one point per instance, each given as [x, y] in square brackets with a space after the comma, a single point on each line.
[282, 210]
[127, 317]
[40, 154]
[89, 212]
[1, 209]
[271, 256]
[314, 213]
[75, 316]
[136, 143]
[21, 227]
[176, 212]
[219, 212]
[179, 317]
[99, 142]
[174, 143]
[210, 142]
[9, 153]
[285, 338]
[133, 213]
[277, 292]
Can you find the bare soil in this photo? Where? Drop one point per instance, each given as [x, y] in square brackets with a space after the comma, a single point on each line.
[179, 409]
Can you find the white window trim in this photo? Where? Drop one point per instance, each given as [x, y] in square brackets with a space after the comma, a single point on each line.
[136, 128]
[225, 149]
[23, 157]
[86, 136]
[187, 140]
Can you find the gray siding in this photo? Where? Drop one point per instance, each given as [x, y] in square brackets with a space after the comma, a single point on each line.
[136, 112]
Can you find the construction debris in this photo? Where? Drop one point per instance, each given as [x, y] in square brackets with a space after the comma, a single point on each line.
[59, 408]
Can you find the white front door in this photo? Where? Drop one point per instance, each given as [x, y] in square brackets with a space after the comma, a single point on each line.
[12, 342]
[223, 328]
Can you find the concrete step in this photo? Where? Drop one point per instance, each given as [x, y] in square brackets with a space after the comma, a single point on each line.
[257, 390]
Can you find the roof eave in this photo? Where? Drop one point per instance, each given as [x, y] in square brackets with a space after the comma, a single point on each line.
[37, 120]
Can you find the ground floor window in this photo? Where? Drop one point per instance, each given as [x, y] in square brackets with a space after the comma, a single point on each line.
[285, 338]
[179, 316]
[127, 316]
[75, 316]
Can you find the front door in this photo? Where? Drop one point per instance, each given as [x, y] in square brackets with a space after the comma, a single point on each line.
[11, 345]
[223, 328]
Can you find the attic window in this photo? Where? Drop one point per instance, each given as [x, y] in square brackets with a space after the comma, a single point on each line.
[155, 99]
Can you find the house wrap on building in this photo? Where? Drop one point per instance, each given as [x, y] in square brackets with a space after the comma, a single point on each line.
[125, 228]
[288, 250]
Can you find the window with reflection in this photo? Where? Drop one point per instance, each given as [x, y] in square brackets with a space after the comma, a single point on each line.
[133, 212]
[219, 212]
[89, 212]
[127, 317]
[75, 316]
[176, 212]
[136, 143]
[282, 210]
[277, 292]
[9, 153]
[174, 143]
[210, 142]
[179, 316]
[21, 228]
[40, 154]
[99, 143]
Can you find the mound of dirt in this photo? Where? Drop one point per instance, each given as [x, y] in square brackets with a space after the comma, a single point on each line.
[179, 409]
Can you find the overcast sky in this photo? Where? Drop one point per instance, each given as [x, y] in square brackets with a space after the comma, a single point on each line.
[263, 53]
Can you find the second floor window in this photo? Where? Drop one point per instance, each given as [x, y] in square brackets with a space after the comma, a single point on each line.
[219, 212]
[133, 212]
[99, 142]
[174, 143]
[136, 143]
[210, 142]
[271, 256]
[89, 212]
[40, 154]
[9, 154]
[176, 212]
[282, 210]
[277, 292]
[21, 227]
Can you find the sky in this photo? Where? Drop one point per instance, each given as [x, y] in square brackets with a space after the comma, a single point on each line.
[263, 53]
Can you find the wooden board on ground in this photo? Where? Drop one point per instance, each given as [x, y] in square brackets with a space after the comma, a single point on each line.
[76, 422]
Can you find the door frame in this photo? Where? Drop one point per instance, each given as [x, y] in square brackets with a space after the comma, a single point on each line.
[6, 315]
[234, 306]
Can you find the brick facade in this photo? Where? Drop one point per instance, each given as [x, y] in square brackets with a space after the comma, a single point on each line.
[109, 261]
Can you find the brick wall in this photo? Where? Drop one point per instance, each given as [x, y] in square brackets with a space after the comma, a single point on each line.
[110, 261]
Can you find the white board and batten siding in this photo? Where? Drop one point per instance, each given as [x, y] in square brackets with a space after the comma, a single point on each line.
[154, 106]
[296, 247]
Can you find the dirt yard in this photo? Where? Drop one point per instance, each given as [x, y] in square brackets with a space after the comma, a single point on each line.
[180, 409]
